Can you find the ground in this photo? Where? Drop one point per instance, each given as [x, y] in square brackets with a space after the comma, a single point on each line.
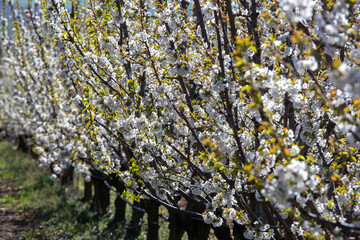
[12, 223]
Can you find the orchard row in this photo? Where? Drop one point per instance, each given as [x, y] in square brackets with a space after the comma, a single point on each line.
[247, 110]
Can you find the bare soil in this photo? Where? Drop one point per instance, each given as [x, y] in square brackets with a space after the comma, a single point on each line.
[11, 221]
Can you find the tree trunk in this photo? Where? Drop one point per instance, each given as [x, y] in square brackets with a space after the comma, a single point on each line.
[67, 177]
[101, 199]
[21, 143]
[176, 224]
[196, 228]
[238, 231]
[120, 207]
[87, 191]
[152, 209]
[223, 232]
[134, 228]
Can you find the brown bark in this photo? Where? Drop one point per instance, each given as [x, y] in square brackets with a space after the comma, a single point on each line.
[176, 224]
[101, 199]
[120, 208]
[152, 209]
[238, 231]
[223, 232]
[67, 176]
[21, 143]
[87, 191]
[196, 228]
[134, 227]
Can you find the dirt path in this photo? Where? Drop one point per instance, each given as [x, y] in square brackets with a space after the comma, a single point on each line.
[11, 222]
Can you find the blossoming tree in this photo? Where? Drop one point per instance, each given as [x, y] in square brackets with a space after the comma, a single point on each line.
[247, 111]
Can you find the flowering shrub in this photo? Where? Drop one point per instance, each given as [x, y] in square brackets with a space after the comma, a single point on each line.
[248, 110]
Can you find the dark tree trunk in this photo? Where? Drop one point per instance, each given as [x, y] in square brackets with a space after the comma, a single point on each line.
[3, 134]
[134, 227]
[238, 231]
[67, 176]
[176, 224]
[196, 228]
[120, 207]
[101, 199]
[21, 143]
[152, 209]
[87, 191]
[223, 232]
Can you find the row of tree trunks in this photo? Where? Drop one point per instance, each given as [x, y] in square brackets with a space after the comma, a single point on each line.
[99, 194]
[101, 199]
[197, 229]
